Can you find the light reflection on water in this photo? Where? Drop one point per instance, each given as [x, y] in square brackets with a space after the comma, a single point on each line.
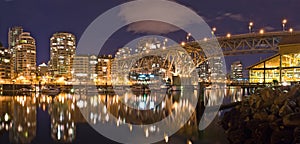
[231, 94]
[19, 113]
[173, 109]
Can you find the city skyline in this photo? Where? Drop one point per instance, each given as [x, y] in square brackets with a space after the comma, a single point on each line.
[226, 17]
[229, 60]
[141, 71]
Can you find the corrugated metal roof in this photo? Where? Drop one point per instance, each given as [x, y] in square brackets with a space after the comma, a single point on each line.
[249, 67]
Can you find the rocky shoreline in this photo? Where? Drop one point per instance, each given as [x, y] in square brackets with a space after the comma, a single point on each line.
[270, 115]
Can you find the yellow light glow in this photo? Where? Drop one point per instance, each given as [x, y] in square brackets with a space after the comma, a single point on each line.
[261, 31]
[251, 24]
[228, 35]
[284, 21]
[6, 117]
[166, 139]
[214, 29]
[182, 43]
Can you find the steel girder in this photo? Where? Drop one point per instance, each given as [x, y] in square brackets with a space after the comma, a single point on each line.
[173, 57]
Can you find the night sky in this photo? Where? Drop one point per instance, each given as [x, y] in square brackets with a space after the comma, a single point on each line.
[44, 17]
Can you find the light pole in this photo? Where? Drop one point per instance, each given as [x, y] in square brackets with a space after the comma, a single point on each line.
[165, 43]
[250, 27]
[188, 37]
[213, 30]
[284, 21]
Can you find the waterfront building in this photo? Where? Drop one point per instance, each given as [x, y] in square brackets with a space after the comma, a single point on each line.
[84, 68]
[203, 72]
[81, 68]
[283, 67]
[24, 58]
[210, 70]
[236, 73]
[103, 69]
[13, 36]
[42, 69]
[4, 63]
[62, 52]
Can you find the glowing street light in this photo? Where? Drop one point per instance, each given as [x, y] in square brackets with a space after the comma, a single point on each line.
[228, 35]
[261, 31]
[188, 36]
[250, 26]
[284, 21]
[182, 43]
[214, 29]
[291, 30]
[165, 43]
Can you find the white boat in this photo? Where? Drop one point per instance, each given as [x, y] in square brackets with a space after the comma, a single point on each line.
[51, 91]
[22, 90]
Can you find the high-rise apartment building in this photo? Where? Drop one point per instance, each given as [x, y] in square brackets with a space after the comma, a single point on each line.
[104, 70]
[24, 57]
[4, 63]
[236, 70]
[84, 68]
[62, 52]
[13, 36]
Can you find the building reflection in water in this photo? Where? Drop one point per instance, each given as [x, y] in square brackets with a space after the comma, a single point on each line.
[24, 113]
[62, 113]
[131, 110]
[5, 113]
[44, 101]
[18, 114]
[230, 94]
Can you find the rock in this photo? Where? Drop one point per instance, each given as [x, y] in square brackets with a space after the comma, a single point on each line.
[275, 109]
[267, 94]
[270, 115]
[276, 125]
[298, 101]
[280, 99]
[294, 92]
[272, 118]
[297, 109]
[262, 132]
[291, 102]
[281, 137]
[236, 136]
[254, 99]
[292, 119]
[296, 135]
[262, 116]
[250, 141]
[285, 110]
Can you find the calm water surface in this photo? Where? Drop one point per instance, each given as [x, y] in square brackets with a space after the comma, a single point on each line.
[41, 119]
